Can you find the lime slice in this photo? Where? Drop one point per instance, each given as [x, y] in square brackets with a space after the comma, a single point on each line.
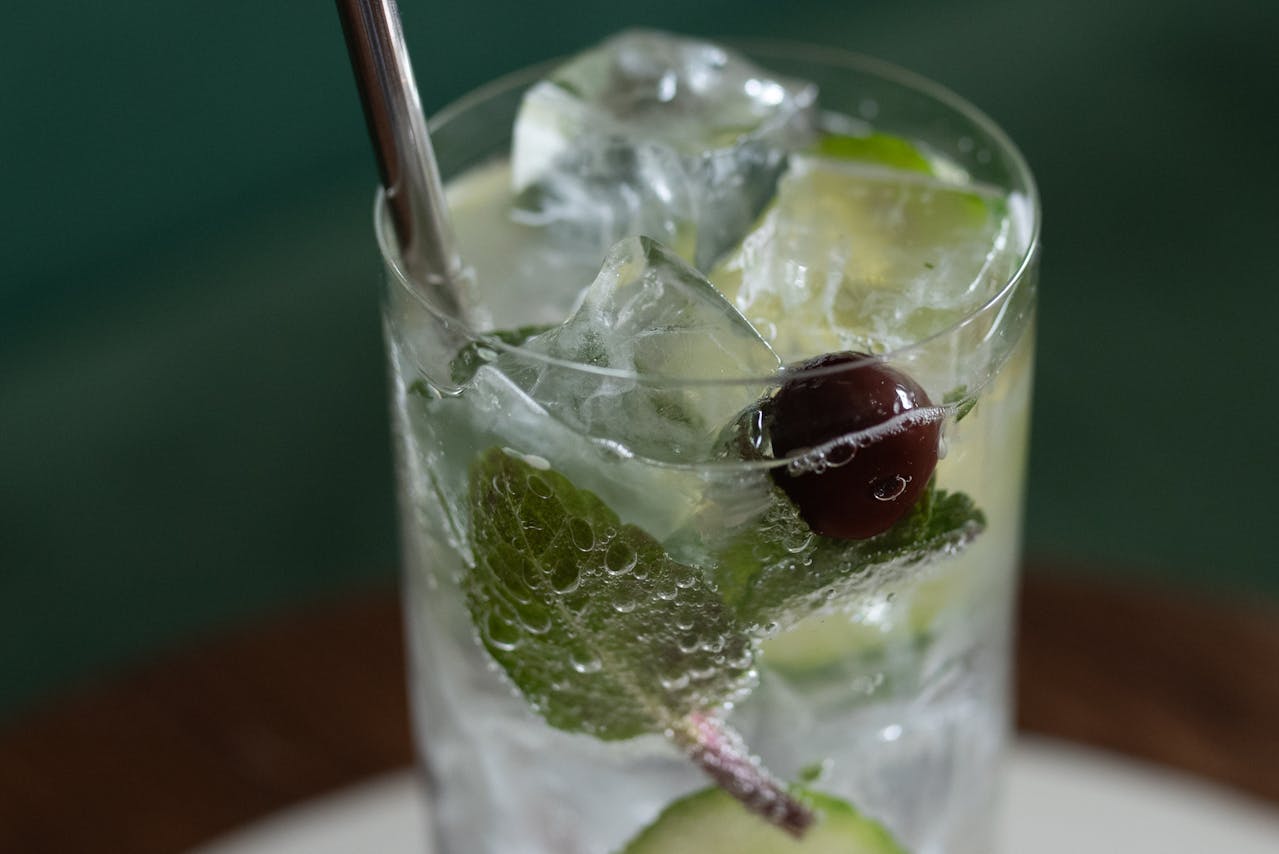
[895, 623]
[822, 641]
[712, 822]
[867, 254]
[882, 148]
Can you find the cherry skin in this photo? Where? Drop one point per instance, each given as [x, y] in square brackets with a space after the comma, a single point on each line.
[861, 492]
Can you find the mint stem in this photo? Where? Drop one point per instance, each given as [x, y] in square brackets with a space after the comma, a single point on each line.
[721, 752]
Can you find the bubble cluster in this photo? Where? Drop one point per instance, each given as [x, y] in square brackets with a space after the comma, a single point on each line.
[590, 618]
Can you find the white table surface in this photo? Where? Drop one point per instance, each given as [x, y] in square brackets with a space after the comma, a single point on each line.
[1059, 799]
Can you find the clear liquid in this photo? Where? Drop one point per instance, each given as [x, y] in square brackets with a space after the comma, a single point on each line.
[899, 695]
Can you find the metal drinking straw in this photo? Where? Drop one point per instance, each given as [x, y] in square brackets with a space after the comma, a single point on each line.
[406, 161]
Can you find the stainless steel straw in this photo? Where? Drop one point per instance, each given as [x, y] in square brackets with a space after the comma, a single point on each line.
[406, 161]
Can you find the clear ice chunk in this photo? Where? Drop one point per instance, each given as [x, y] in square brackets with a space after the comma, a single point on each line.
[859, 256]
[653, 331]
[657, 135]
[496, 412]
[480, 201]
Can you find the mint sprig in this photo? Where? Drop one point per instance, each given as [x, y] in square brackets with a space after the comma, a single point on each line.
[605, 634]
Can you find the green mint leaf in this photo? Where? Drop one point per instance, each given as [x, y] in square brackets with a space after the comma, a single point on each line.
[778, 571]
[595, 624]
[879, 148]
[481, 352]
[568, 87]
[813, 772]
[893, 152]
[961, 400]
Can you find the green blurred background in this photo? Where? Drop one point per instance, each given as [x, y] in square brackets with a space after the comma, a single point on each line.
[192, 418]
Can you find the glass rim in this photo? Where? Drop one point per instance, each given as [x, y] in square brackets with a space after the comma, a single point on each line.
[787, 49]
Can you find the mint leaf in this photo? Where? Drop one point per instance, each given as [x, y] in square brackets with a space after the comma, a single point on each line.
[595, 624]
[961, 400]
[778, 571]
[480, 352]
[605, 634]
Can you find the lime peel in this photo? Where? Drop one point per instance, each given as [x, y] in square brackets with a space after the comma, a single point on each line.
[712, 822]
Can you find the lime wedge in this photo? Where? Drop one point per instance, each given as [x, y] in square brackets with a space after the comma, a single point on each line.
[867, 253]
[823, 641]
[869, 638]
[881, 148]
[712, 822]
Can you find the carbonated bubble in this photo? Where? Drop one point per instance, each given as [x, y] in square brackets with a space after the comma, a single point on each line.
[565, 577]
[502, 633]
[580, 532]
[534, 620]
[539, 487]
[675, 683]
[619, 559]
[585, 662]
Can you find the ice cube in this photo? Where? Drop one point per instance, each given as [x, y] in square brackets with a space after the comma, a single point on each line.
[480, 202]
[649, 327]
[607, 187]
[859, 256]
[654, 134]
[494, 411]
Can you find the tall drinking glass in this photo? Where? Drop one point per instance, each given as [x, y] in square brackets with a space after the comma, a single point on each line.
[722, 604]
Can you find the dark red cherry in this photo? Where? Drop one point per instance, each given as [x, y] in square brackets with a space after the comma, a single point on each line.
[858, 491]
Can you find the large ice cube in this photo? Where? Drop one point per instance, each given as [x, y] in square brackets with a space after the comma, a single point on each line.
[858, 256]
[649, 328]
[527, 263]
[448, 432]
[654, 134]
